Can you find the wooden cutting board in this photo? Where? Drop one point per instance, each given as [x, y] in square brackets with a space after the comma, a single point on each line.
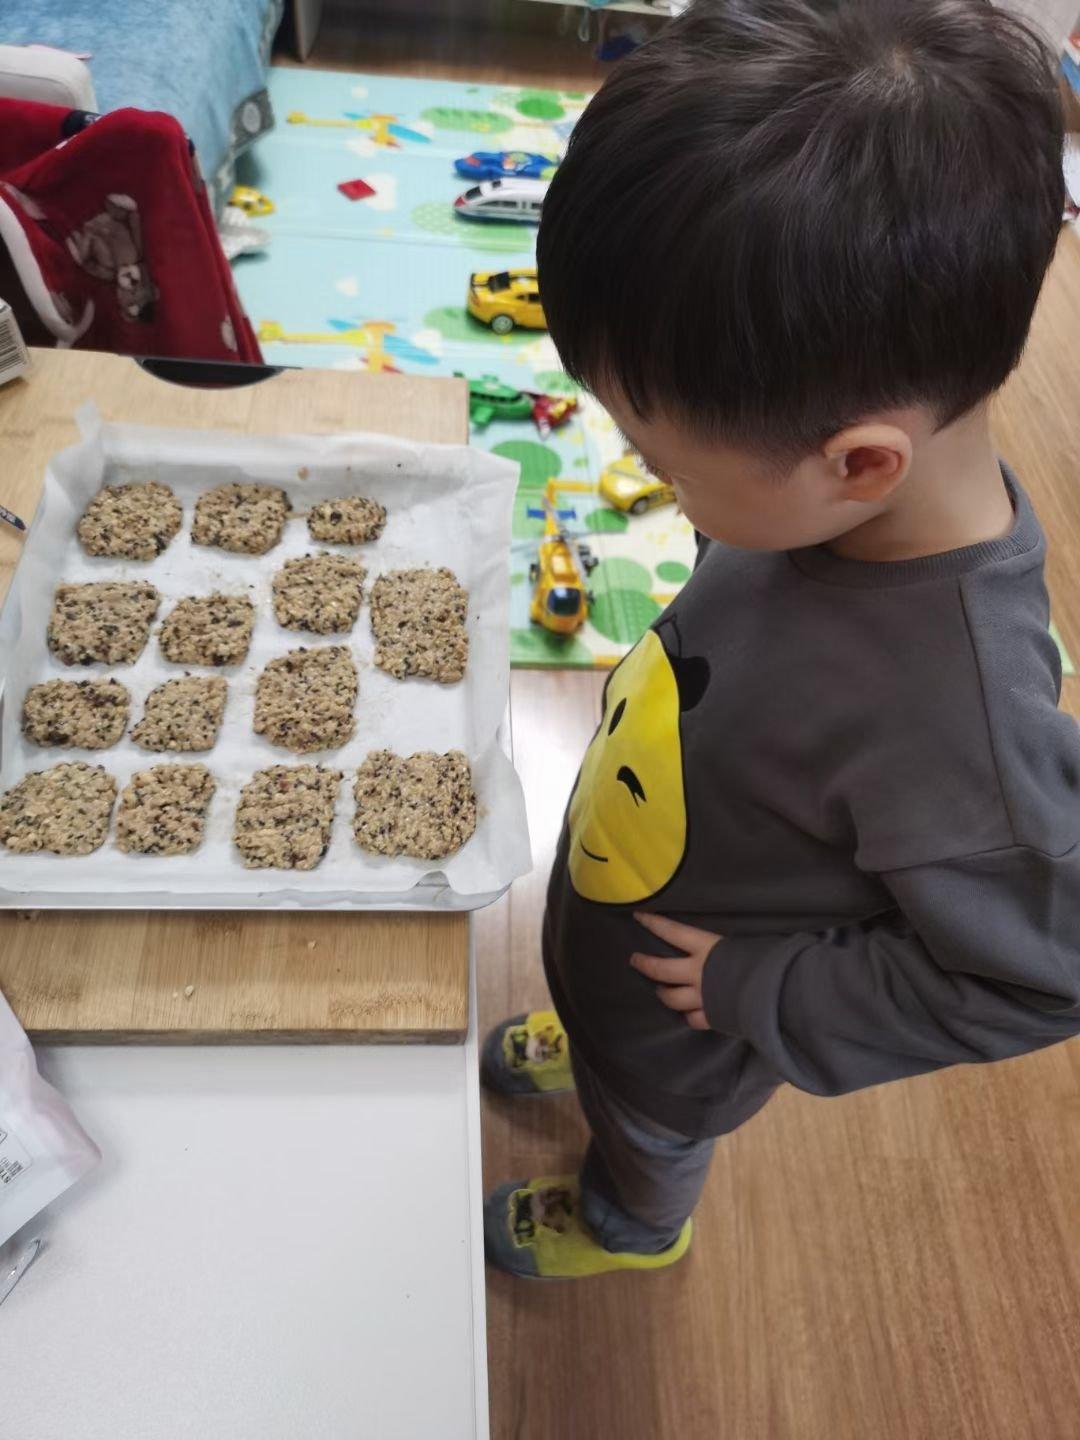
[216, 976]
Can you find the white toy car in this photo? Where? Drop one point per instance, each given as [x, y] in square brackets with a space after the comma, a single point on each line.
[510, 199]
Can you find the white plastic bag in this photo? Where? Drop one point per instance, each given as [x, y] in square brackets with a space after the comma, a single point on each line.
[43, 1148]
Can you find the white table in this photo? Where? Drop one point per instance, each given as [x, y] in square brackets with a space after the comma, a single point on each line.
[281, 1242]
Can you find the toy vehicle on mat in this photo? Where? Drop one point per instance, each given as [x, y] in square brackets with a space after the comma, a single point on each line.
[627, 485]
[501, 164]
[559, 574]
[552, 411]
[251, 201]
[490, 399]
[505, 298]
[519, 200]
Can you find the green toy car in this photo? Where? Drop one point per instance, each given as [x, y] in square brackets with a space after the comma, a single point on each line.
[490, 399]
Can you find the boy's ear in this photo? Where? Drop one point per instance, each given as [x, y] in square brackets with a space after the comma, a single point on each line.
[869, 460]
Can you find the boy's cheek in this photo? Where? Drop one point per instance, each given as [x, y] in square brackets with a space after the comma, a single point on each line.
[729, 523]
[752, 520]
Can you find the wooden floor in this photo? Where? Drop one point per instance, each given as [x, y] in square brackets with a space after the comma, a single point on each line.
[903, 1264]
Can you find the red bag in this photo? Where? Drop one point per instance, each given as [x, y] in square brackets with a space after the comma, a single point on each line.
[112, 237]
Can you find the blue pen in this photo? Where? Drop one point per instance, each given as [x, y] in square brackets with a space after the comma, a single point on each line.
[11, 518]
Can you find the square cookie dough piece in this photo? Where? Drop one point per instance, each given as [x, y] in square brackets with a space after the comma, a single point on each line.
[182, 714]
[304, 700]
[418, 617]
[64, 810]
[423, 805]
[134, 522]
[245, 518]
[352, 520]
[208, 630]
[321, 593]
[284, 817]
[163, 810]
[84, 714]
[108, 622]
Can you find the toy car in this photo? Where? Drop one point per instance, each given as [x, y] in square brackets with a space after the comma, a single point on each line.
[490, 399]
[503, 200]
[505, 298]
[629, 486]
[551, 411]
[499, 164]
[251, 201]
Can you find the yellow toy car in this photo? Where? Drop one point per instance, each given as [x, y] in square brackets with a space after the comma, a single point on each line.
[629, 486]
[251, 201]
[505, 298]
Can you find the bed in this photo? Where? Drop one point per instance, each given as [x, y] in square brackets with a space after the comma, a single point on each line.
[203, 61]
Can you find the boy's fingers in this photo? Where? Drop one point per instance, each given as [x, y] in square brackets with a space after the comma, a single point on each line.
[683, 937]
[697, 1021]
[680, 997]
[678, 969]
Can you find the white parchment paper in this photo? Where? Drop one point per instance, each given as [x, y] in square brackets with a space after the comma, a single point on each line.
[447, 505]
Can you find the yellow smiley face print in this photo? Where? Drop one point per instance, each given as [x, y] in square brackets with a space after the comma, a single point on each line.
[628, 813]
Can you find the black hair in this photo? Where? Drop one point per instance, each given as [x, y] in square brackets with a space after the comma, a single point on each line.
[779, 216]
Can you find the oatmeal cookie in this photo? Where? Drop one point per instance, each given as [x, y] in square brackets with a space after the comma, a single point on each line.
[163, 810]
[64, 810]
[83, 714]
[245, 518]
[304, 700]
[423, 805]
[133, 522]
[182, 714]
[418, 617]
[108, 622]
[208, 630]
[321, 593]
[352, 520]
[284, 817]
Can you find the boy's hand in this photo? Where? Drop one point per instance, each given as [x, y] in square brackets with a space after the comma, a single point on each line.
[678, 980]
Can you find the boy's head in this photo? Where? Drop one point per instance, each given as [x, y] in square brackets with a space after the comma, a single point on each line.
[799, 238]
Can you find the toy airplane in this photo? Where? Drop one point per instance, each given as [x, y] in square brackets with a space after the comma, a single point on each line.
[386, 130]
[375, 339]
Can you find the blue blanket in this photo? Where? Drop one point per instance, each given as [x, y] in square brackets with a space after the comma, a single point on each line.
[203, 61]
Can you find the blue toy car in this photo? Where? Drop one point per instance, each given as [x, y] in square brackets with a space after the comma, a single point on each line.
[505, 164]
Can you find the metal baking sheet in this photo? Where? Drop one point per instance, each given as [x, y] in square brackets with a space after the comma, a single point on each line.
[447, 505]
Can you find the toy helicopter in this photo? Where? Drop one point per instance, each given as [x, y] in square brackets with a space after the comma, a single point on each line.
[560, 572]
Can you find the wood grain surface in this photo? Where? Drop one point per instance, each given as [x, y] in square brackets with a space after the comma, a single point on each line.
[228, 975]
[901, 1264]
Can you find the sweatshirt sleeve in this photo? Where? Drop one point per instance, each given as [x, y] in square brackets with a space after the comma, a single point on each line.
[980, 961]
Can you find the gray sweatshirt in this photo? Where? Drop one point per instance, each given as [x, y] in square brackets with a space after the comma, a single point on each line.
[857, 774]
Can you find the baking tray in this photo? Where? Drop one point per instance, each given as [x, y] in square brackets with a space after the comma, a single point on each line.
[447, 505]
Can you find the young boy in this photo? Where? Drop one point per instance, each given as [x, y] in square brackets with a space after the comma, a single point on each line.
[828, 831]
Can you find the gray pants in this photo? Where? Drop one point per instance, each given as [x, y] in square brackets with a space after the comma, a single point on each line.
[640, 1181]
